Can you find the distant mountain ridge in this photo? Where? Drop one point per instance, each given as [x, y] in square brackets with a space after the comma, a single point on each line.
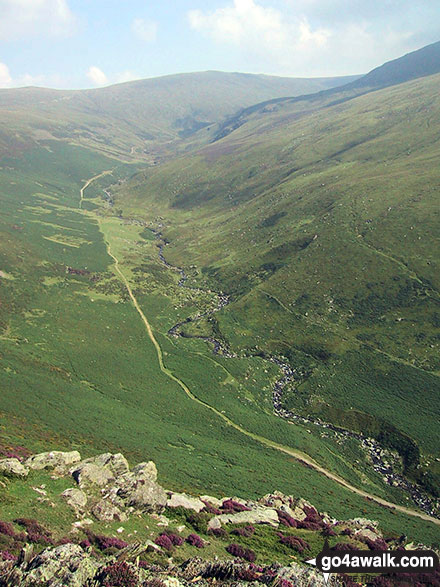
[420, 63]
[138, 118]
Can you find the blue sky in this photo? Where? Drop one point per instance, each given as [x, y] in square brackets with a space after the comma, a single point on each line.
[90, 43]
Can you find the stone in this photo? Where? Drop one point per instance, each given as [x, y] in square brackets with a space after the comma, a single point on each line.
[146, 496]
[146, 471]
[172, 582]
[63, 566]
[183, 500]
[300, 576]
[212, 500]
[52, 459]
[82, 523]
[116, 463]
[76, 498]
[13, 467]
[105, 511]
[367, 533]
[89, 473]
[260, 515]
[363, 523]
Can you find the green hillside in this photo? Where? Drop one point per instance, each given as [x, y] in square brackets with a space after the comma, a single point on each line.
[320, 223]
[142, 119]
[325, 236]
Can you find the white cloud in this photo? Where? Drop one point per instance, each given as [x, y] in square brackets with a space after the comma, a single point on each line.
[8, 81]
[298, 41]
[5, 76]
[261, 30]
[97, 76]
[31, 18]
[145, 30]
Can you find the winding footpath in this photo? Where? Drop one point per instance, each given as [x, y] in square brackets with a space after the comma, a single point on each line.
[87, 183]
[299, 456]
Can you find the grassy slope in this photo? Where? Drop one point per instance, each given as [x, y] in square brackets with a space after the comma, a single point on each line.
[77, 369]
[326, 235]
[141, 119]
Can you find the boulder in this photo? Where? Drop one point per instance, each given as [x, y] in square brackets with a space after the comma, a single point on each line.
[259, 515]
[107, 512]
[300, 576]
[363, 523]
[172, 582]
[64, 566]
[53, 459]
[89, 473]
[76, 498]
[183, 500]
[13, 467]
[212, 500]
[146, 471]
[275, 500]
[116, 463]
[146, 496]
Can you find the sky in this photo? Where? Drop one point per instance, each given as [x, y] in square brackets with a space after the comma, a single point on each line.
[73, 44]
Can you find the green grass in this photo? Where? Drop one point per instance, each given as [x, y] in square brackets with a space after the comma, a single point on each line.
[77, 368]
[325, 235]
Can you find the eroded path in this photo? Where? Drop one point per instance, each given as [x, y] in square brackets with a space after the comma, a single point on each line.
[299, 456]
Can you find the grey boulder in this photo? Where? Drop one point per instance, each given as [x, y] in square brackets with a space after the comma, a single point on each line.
[76, 498]
[260, 515]
[53, 459]
[13, 467]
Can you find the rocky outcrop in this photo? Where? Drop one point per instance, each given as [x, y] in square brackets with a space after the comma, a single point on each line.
[146, 471]
[91, 474]
[107, 512]
[76, 498]
[13, 467]
[46, 460]
[63, 566]
[117, 464]
[259, 515]
[182, 500]
[146, 496]
[214, 501]
[108, 491]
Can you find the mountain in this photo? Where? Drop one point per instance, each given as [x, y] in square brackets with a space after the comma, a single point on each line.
[323, 229]
[420, 63]
[141, 118]
[250, 312]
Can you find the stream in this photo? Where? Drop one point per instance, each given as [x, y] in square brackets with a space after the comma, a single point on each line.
[380, 458]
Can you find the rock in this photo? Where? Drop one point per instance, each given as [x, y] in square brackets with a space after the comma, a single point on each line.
[13, 467]
[76, 498]
[212, 500]
[183, 500]
[363, 523]
[89, 473]
[63, 566]
[286, 503]
[111, 494]
[146, 496]
[300, 576]
[275, 500]
[52, 459]
[146, 471]
[367, 533]
[82, 523]
[172, 582]
[107, 512]
[260, 515]
[116, 463]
